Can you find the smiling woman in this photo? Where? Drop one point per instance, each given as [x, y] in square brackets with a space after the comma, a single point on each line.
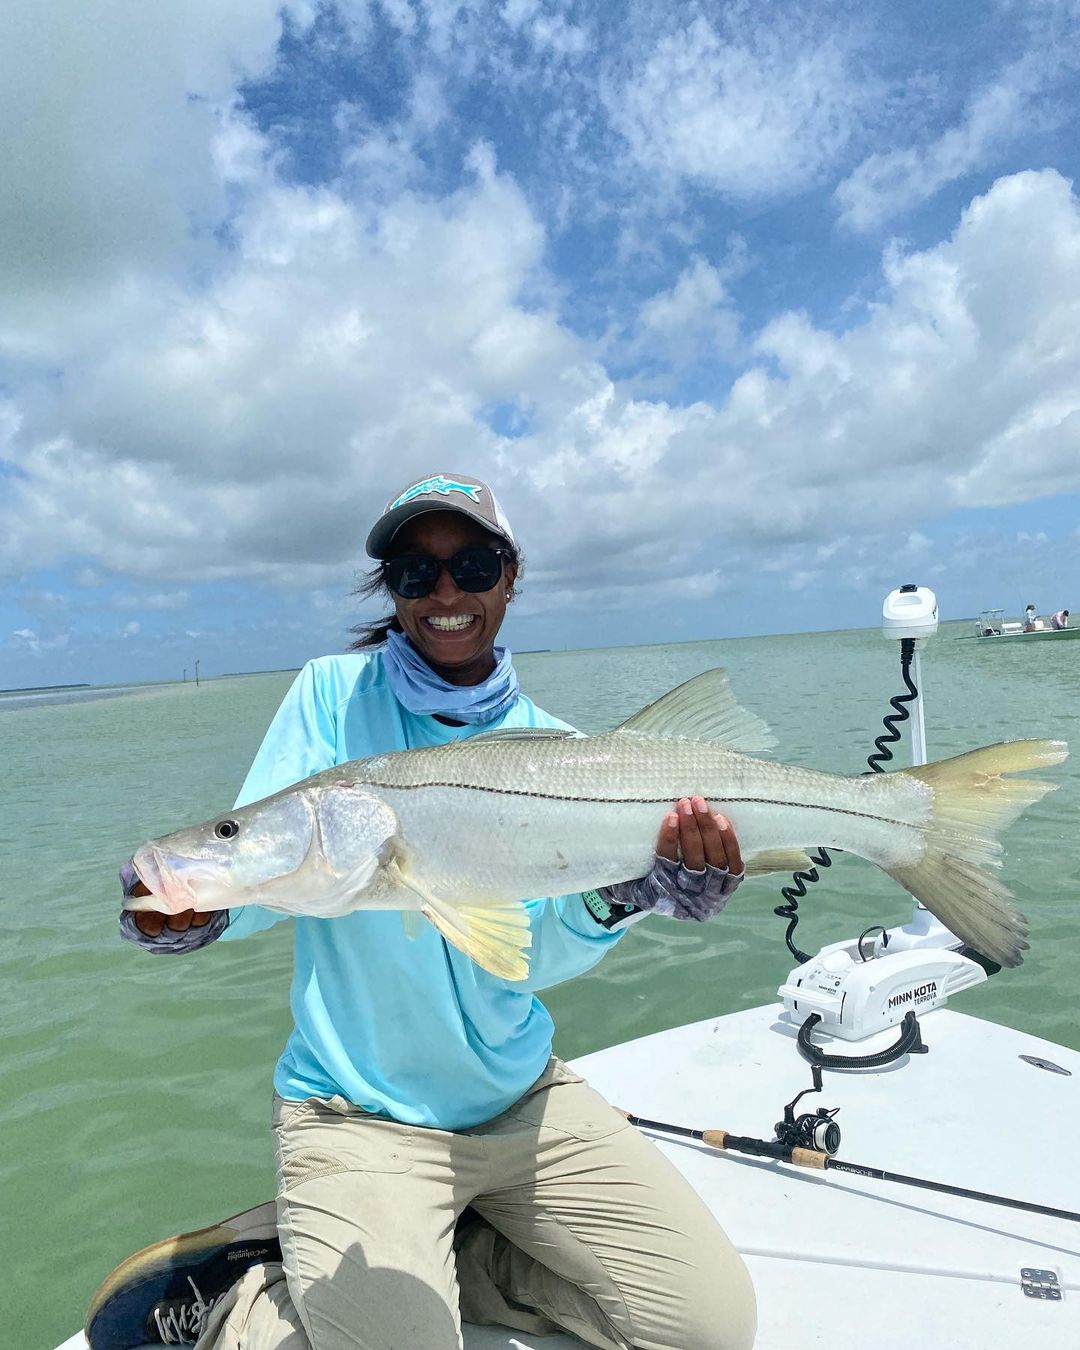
[427, 1140]
[450, 567]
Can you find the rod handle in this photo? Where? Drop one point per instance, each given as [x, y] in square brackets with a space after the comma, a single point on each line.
[809, 1157]
[715, 1138]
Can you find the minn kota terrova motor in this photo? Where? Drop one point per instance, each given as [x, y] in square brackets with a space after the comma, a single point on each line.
[852, 990]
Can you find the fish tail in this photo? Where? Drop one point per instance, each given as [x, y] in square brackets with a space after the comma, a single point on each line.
[973, 802]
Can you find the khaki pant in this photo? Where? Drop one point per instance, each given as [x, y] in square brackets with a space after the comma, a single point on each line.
[574, 1221]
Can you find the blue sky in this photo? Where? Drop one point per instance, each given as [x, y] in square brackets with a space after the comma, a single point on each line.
[749, 312]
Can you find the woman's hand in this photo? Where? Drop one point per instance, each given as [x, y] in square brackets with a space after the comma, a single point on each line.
[150, 922]
[697, 868]
[170, 934]
[699, 838]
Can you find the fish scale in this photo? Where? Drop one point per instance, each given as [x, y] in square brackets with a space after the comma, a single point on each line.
[598, 803]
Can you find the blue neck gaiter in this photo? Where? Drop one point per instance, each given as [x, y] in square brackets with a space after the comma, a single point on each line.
[417, 687]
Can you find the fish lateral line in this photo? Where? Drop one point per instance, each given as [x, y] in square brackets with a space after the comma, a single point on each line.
[639, 801]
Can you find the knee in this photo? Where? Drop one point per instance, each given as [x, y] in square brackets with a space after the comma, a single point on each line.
[722, 1313]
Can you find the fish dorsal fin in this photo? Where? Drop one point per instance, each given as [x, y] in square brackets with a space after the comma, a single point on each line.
[703, 709]
[520, 734]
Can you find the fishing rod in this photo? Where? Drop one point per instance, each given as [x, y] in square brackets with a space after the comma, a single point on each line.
[819, 1159]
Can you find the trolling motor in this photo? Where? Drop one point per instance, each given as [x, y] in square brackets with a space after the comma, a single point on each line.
[854, 989]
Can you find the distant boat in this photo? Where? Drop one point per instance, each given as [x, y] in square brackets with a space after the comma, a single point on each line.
[992, 623]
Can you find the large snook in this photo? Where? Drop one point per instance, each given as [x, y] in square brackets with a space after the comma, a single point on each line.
[464, 832]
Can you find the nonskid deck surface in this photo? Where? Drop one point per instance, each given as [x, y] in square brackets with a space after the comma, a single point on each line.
[845, 1263]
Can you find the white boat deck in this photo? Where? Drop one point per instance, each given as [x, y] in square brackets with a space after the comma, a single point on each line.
[845, 1263]
[853, 1264]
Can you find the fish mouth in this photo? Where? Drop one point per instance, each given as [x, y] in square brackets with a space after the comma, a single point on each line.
[133, 885]
[153, 881]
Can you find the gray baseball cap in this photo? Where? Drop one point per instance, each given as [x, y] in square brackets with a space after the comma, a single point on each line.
[438, 492]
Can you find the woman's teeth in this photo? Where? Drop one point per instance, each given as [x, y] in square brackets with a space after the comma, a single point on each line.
[450, 624]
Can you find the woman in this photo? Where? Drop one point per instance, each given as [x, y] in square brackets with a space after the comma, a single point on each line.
[434, 1160]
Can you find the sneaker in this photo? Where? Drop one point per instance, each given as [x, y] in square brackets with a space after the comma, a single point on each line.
[180, 1321]
[163, 1294]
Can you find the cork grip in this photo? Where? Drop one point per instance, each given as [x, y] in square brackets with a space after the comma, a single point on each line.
[715, 1138]
[808, 1157]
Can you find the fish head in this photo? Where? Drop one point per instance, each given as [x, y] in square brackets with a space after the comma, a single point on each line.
[227, 861]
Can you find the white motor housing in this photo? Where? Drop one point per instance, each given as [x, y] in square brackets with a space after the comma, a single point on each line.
[909, 612]
[856, 998]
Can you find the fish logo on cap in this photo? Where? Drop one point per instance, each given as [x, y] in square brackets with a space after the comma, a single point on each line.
[439, 484]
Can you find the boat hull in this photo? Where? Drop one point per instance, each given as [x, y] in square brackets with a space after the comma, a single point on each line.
[1042, 635]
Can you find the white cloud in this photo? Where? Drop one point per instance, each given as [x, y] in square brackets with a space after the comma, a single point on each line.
[889, 183]
[157, 600]
[46, 600]
[341, 347]
[207, 406]
[27, 640]
[958, 389]
[401, 14]
[109, 114]
[762, 112]
[690, 321]
[251, 429]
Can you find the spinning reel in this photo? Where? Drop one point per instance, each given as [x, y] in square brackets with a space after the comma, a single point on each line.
[817, 1130]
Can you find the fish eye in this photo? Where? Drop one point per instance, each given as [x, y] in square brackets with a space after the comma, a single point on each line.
[226, 829]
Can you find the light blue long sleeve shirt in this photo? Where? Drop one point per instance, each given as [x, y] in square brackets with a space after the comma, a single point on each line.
[408, 1028]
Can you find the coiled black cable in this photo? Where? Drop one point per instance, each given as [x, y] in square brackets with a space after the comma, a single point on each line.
[892, 721]
[909, 1043]
[793, 894]
[880, 755]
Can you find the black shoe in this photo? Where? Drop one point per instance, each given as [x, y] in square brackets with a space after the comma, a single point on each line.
[163, 1294]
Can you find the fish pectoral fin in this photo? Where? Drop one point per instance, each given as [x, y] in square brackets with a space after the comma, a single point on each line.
[495, 936]
[703, 709]
[493, 933]
[777, 860]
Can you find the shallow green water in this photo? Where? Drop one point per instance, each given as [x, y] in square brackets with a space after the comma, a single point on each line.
[134, 1092]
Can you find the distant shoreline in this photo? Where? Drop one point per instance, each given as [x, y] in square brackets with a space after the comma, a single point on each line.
[45, 688]
[532, 651]
[143, 684]
[239, 674]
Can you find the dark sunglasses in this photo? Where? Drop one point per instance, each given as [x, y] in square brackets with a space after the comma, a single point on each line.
[414, 575]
